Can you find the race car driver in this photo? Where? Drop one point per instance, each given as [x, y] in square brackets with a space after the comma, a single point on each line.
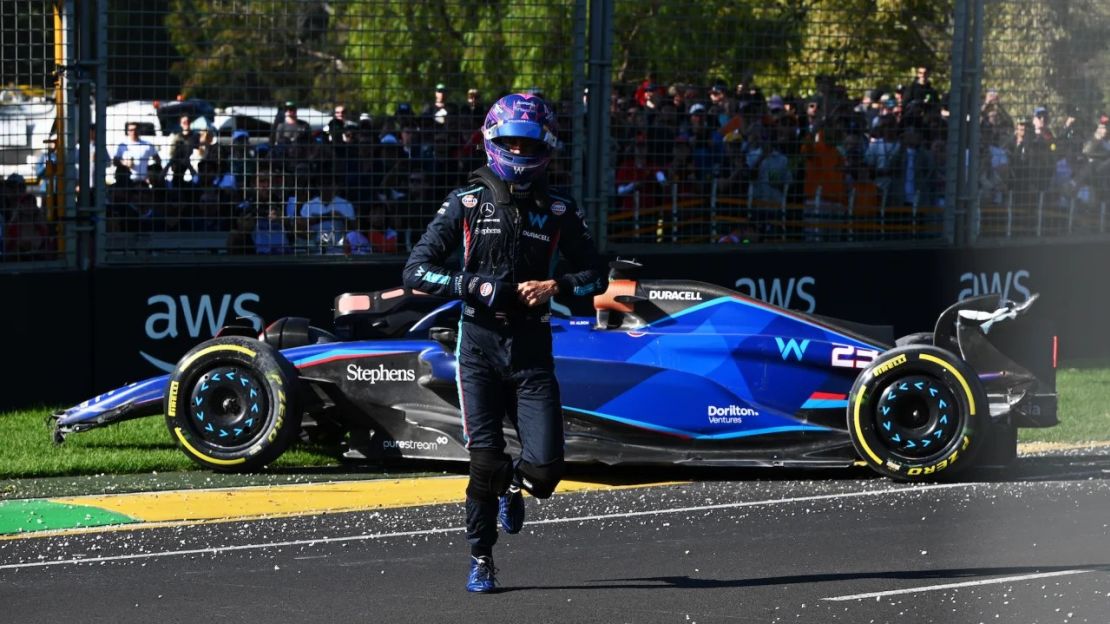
[509, 226]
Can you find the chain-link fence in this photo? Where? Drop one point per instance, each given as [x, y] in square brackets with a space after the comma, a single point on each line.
[34, 52]
[1044, 153]
[236, 128]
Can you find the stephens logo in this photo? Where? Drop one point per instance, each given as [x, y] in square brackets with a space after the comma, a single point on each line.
[674, 295]
[381, 373]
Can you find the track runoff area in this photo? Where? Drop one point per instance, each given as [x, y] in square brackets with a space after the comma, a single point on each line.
[1033, 546]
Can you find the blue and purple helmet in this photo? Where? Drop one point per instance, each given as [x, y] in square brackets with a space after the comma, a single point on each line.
[519, 115]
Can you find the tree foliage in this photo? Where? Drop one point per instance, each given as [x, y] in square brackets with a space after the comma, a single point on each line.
[373, 54]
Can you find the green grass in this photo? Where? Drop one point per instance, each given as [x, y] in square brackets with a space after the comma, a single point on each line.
[1084, 408]
[134, 446]
[144, 445]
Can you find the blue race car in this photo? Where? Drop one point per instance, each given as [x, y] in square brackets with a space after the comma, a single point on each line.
[664, 372]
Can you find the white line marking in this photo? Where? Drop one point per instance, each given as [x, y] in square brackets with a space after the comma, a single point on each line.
[376, 536]
[994, 581]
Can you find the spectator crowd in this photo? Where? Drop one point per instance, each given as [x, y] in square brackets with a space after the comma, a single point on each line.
[761, 163]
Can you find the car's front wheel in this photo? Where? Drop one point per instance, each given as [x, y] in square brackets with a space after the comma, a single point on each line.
[232, 404]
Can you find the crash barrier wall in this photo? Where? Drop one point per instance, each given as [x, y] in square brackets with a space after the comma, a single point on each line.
[757, 123]
[67, 335]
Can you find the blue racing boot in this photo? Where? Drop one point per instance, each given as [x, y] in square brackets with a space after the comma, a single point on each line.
[482, 579]
[510, 510]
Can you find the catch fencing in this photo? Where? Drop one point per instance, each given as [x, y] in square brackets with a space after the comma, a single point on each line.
[211, 130]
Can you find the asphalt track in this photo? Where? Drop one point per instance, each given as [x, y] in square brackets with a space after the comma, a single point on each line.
[1032, 547]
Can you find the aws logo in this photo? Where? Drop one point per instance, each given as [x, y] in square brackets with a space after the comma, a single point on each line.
[779, 293]
[195, 317]
[976, 284]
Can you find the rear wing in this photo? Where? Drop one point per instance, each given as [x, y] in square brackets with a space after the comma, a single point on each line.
[1013, 352]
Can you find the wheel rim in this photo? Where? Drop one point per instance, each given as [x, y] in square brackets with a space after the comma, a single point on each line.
[228, 406]
[917, 416]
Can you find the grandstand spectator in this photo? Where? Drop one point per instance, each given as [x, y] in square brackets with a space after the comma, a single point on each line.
[824, 171]
[635, 178]
[291, 130]
[921, 90]
[182, 145]
[880, 158]
[337, 123]
[472, 112]
[1041, 129]
[26, 234]
[1097, 153]
[719, 101]
[439, 108]
[994, 114]
[269, 235]
[135, 154]
[327, 217]
[1031, 165]
[912, 172]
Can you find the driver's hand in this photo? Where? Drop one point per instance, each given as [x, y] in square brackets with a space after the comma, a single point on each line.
[535, 292]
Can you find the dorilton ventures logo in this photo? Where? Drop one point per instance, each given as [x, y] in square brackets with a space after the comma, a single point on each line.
[381, 373]
[198, 317]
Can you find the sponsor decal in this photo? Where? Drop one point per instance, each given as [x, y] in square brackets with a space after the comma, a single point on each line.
[199, 317]
[381, 373]
[976, 284]
[728, 414]
[171, 411]
[853, 357]
[487, 209]
[411, 445]
[882, 368]
[558, 208]
[486, 289]
[470, 201]
[518, 170]
[674, 295]
[778, 293]
[537, 221]
[436, 278]
[442, 208]
[536, 235]
[489, 230]
[792, 347]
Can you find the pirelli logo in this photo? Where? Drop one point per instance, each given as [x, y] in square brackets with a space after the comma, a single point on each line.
[171, 410]
[886, 366]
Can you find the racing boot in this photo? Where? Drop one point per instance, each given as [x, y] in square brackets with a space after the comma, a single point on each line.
[482, 579]
[510, 510]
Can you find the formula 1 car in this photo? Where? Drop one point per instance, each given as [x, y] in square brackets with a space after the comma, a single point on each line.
[665, 372]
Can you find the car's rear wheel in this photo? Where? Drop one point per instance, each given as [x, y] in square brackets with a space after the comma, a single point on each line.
[232, 404]
[917, 413]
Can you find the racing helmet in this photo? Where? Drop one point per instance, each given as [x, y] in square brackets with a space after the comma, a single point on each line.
[525, 116]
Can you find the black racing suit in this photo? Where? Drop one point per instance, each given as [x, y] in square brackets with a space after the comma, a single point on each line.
[505, 364]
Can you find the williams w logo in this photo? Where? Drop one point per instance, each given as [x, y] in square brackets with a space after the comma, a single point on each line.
[518, 170]
[537, 221]
[787, 347]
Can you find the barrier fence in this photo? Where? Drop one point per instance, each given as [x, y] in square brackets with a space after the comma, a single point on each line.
[217, 129]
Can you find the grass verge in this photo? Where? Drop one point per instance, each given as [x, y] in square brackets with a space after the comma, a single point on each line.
[144, 445]
[133, 446]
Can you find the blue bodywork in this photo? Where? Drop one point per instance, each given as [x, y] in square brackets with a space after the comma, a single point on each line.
[726, 369]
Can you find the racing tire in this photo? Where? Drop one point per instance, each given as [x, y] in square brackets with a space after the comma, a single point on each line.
[232, 404]
[918, 413]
